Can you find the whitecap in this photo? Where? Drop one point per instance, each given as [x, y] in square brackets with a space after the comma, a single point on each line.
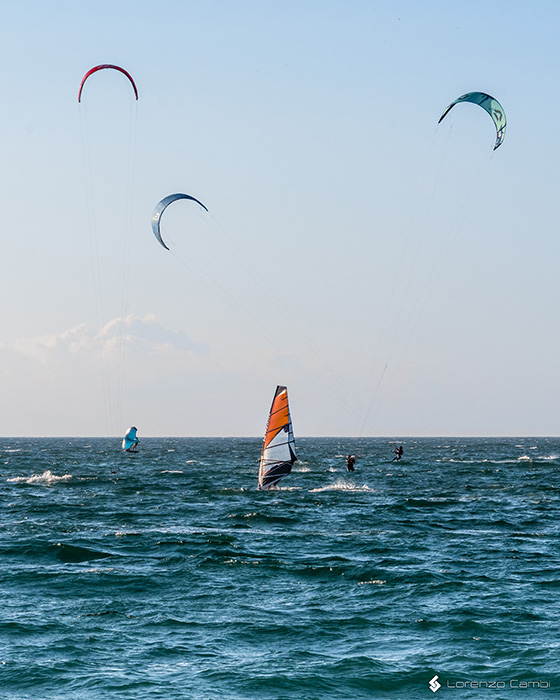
[45, 478]
[99, 570]
[341, 486]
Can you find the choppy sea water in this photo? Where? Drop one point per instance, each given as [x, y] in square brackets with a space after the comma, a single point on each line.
[166, 574]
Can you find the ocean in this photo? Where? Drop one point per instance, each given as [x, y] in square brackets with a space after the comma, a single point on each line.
[167, 574]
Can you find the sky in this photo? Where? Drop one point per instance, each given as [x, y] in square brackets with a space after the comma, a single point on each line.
[398, 276]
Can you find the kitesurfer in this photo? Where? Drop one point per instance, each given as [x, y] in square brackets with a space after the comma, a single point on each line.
[398, 452]
[350, 461]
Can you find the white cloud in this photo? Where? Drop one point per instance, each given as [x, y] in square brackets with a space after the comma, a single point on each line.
[148, 331]
[137, 371]
[146, 335]
[58, 383]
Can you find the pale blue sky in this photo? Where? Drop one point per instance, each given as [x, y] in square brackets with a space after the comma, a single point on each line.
[398, 276]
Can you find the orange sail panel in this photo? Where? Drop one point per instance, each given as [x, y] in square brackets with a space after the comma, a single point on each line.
[278, 451]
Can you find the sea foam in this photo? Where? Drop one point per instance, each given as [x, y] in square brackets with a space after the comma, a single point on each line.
[45, 478]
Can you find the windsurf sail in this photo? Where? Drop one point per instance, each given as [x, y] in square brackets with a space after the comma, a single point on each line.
[130, 440]
[278, 451]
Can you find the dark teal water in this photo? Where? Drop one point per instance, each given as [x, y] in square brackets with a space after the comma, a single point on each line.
[175, 578]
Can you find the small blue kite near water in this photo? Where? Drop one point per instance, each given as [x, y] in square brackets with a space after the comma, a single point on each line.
[130, 440]
[491, 105]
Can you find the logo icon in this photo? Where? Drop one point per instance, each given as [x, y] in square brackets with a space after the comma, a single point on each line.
[434, 685]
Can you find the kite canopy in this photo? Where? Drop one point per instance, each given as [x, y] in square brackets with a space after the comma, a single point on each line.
[102, 67]
[492, 106]
[160, 208]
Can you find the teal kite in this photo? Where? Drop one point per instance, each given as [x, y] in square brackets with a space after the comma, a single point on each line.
[492, 106]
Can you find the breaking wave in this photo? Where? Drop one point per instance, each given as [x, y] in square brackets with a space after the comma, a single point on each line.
[45, 478]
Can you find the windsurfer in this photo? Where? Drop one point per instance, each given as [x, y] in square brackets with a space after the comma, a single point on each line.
[278, 452]
[350, 461]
